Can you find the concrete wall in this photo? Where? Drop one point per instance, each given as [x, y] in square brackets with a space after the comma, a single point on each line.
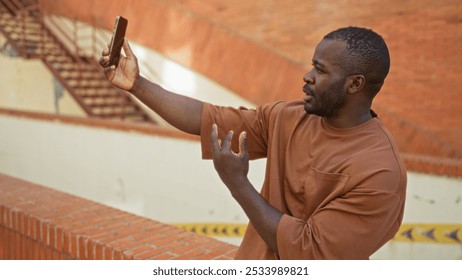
[28, 85]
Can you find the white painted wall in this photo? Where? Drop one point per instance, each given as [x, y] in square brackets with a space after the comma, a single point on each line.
[28, 85]
[433, 198]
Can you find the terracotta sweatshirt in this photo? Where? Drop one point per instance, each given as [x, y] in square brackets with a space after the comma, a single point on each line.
[342, 191]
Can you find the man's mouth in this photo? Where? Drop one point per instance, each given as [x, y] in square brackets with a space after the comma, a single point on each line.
[309, 93]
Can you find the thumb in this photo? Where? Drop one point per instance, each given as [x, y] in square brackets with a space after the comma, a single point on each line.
[127, 49]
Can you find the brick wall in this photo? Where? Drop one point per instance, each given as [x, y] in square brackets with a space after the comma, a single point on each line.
[37, 222]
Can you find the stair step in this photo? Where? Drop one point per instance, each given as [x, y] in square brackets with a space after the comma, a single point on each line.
[95, 83]
[15, 29]
[132, 118]
[17, 24]
[116, 105]
[71, 67]
[57, 58]
[109, 94]
[81, 76]
[25, 37]
[118, 100]
[108, 91]
[113, 115]
[109, 102]
[110, 113]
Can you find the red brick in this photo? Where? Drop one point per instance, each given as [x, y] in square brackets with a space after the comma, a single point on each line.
[222, 250]
[99, 251]
[137, 251]
[163, 249]
[186, 248]
[36, 250]
[42, 251]
[23, 248]
[108, 253]
[191, 255]
[82, 247]
[117, 255]
[147, 254]
[2, 242]
[59, 243]
[165, 256]
[56, 255]
[90, 249]
[7, 218]
[74, 248]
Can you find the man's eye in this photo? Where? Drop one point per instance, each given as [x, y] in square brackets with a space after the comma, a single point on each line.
[318, 70]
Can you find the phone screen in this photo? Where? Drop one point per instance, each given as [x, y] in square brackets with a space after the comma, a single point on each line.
[118, 35]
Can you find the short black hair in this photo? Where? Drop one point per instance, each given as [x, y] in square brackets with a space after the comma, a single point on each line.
[366, 54]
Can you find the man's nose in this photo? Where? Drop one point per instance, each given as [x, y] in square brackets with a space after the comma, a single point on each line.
[309, 77]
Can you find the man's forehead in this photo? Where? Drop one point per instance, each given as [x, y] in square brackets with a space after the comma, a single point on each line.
[329, 52]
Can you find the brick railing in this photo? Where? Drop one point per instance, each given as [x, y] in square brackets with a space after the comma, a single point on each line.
[37, 222]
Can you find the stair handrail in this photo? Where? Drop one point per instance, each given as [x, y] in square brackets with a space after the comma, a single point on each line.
[62, 33]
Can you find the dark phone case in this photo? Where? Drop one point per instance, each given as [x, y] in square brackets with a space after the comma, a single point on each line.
[118, 35]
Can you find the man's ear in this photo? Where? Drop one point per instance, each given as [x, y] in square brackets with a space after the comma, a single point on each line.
[356, 83]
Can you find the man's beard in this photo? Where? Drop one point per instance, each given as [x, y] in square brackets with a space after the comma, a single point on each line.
[328, 103]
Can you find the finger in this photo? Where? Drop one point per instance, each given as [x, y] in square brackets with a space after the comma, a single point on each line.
[216, 145]
[103, 61]
[105, 52]
[109, 71]
[243, 151]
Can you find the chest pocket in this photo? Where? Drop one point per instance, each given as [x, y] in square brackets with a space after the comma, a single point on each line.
[320, 188]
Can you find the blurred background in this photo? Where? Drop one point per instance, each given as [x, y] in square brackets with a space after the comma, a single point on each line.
[63, 126]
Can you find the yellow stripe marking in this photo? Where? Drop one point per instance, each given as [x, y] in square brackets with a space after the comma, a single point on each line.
[430, 233]
[212, 229]
[414, 233]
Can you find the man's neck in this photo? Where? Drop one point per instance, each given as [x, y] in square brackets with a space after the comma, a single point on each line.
[347, 121]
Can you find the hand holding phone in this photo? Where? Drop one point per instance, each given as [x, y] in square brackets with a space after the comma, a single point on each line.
[118, 36]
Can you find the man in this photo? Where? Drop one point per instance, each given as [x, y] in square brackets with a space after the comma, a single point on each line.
[334, 186]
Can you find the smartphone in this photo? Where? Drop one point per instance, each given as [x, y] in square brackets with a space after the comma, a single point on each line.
[118, 36]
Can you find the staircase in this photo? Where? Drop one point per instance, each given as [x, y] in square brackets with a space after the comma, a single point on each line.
[22, 24]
